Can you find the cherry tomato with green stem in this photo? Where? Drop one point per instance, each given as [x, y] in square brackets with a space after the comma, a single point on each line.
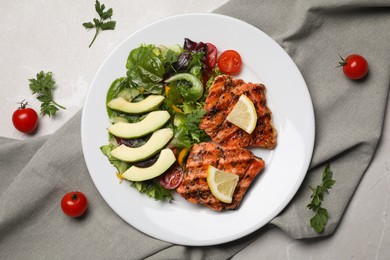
[74, 204]
[354, 66]
[25, 119]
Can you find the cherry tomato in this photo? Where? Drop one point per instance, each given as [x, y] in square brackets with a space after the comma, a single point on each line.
[172, 178]
[25, 119]
[354, 66]
[74, 204]
[230, 62]
[211, 59]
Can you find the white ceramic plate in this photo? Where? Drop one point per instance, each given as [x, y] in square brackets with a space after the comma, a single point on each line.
[263, 61]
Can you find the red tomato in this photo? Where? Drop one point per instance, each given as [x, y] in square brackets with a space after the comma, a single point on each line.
[212, 54]
[74, 204]
[230, 62]
[172, 178]
[25, 119]
[354, 66]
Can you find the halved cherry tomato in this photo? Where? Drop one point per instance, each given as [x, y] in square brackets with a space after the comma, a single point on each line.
[230, 62]
[74, 204]
[212, 54]
[172, 178]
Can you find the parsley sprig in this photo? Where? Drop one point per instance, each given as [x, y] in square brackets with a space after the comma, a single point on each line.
[43, 86]
[100, 24]
[320, 219]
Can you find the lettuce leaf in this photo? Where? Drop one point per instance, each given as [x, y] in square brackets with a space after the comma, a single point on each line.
[153, 190]
[119, 165]
[150, 187]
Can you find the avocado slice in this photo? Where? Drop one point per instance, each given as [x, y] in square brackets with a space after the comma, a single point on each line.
[153, 121]
[156, 142]
[164, 161]
[149, 103]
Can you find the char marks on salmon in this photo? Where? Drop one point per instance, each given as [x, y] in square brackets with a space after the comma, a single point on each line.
[223, 95]
[240, 161]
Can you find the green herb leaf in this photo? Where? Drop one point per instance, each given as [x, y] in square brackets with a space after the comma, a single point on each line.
[187, 132]
[108, 25]
[320, 219]
[99, 24]
[88, 25]
[43, 86]
[153, 190]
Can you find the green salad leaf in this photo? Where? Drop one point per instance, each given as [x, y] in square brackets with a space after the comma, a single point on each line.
[187, 131]
[119, 165]
[149, 69]
[152, 189]
[124, 88]
[146, 69]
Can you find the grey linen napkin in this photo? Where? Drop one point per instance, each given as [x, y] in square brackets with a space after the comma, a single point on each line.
[349, 114]
[37, 172]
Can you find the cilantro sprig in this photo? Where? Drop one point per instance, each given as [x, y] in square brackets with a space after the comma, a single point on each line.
[320, 219]
[43, 86]
[100, 24]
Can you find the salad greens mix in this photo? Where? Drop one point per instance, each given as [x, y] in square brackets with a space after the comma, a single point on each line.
[181, 74]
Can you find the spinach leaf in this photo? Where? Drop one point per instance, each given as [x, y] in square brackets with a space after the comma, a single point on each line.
[146, 69]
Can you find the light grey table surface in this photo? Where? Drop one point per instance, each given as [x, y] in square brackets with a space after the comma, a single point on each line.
[47, 35]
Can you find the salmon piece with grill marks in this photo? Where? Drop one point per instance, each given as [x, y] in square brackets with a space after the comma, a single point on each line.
[240, 161]
[223, 95]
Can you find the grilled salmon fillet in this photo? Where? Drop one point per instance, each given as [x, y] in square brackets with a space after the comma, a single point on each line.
[223, 95]
[240, 161]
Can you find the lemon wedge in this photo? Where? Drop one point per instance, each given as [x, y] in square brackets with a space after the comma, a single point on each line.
[243, 114]
[222, 184]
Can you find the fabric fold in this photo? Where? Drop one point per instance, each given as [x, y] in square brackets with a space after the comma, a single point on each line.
[349, 114]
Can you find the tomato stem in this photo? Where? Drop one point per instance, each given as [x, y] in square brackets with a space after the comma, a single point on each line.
[23, 104]
[342, 63]
[74, 195]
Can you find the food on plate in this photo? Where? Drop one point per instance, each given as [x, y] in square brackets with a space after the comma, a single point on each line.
[223, 95]
[152, 122]
[354, 66]
[148, 104]
[235, 160]
[25, 119]
[74, 204]
[163, 163]
[243, 114]
[212, 55]
[172, 178]
[230, 62]
[195, 91]
[222, 184]
[179, 124]
[155, 143]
